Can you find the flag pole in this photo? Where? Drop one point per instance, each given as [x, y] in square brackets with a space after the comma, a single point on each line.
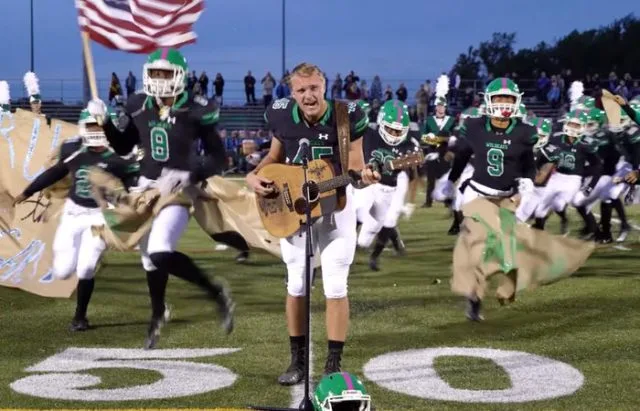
[88, 61]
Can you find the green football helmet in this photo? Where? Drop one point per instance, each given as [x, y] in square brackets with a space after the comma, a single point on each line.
[364, 106]
[393, 122]
[596, 120]
[575, 124]
[168, 60]
[341, 391]
[95, 138]
[502, 86]
[544, 126]
[586, 103]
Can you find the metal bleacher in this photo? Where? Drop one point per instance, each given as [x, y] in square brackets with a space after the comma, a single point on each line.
[241, 117]
[64, 112]
[231, 118]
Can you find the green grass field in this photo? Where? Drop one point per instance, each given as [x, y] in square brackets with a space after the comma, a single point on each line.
[589, 322]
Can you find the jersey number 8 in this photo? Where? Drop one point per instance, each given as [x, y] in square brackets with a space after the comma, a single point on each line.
[83, 186]
[159, 144]
[495, 159]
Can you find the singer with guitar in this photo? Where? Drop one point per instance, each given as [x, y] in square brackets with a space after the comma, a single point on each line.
[309, 117]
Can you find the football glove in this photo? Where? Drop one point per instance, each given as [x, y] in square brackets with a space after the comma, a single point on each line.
[586, 190]
[97, 108]
[172, 180]
[525, 185]
[432, 156]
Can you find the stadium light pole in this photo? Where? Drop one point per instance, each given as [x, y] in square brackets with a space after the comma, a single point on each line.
[32, 41]
[284, 38]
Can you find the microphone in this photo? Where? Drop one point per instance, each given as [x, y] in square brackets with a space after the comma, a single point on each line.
[304, 150]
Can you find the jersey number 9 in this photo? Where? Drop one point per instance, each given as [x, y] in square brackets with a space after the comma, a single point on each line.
[159, 144]
[495, 159]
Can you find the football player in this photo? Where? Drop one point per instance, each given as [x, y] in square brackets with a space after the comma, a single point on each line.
[627, 141]
[164, 121]
[574, 159]
[503, 149]
[609, 153]
[381, 202]
[75, 248]
[310, 116]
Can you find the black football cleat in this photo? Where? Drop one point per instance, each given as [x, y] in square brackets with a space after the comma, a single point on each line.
[155, 325]
[295, 372]
[624, 232]
[81, 324]
[604, 238]
[242, 257]
[332, 365]
[226, 309]
[373, 264]
[473, 310]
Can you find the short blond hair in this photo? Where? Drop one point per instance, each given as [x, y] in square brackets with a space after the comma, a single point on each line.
[305, 69]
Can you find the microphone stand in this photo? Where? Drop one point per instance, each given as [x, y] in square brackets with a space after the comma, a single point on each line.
[306, 404]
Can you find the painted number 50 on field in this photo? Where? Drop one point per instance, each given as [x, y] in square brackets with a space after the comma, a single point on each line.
[66, 381]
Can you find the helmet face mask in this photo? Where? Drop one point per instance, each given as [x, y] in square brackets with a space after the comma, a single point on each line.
[544, 131]
[165, 74]
[91, 132]
[393, 122]
[575, 124]
[574, 128]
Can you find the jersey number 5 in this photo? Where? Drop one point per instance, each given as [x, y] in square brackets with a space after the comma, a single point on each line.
[316, 154]
[495, 159]
[159, 144]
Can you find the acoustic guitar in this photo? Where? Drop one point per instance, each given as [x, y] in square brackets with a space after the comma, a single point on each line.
[283, 212]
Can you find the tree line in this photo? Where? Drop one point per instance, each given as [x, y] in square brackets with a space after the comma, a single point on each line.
[611, 48]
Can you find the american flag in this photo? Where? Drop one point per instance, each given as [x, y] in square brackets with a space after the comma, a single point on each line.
[139, 26]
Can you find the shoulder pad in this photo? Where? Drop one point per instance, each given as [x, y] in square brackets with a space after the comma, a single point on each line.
[135, 102]
[200, 100]
[280, 104]
[277, 110]
[70, 146]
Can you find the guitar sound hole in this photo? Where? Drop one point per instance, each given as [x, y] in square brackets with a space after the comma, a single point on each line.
[314, 192]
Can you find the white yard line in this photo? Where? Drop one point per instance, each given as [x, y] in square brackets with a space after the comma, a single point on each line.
[617, 221]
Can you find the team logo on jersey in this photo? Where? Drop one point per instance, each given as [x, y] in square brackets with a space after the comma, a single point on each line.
[508, 142]
[102, 165]
[323, 136]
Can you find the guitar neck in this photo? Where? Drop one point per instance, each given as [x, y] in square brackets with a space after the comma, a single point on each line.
[336, 182]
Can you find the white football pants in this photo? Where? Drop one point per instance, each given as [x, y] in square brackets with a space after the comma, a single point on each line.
[384, 206]
[560, 191]
[439, 189]
[334, 239]
[528, 204]
[75, 248]
[166, 230]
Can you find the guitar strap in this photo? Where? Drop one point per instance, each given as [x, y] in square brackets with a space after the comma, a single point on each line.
[344, 133]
